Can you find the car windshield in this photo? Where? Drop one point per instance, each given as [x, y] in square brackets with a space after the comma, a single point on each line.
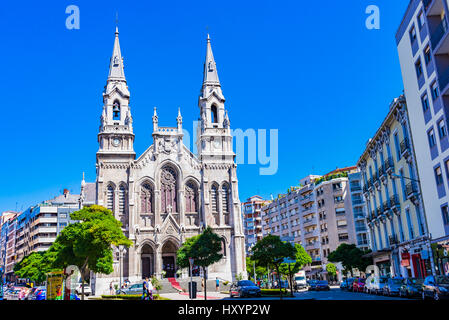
[416, 281]
[382, 280]
[322, 282]
[299, 278]
[245, 283]
[396, 281]
[442, 279]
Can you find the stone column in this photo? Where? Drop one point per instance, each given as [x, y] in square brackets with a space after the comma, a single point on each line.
[220, 208]
[157, 207]
[181, 206]
[158, 264]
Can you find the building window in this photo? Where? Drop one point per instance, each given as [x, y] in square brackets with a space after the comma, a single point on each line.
[425, 102]
[214, 200]
[420, 20]
[396, 145]
[431, 136]
[146, 198]
[412, 34]
[122, 200]
[214, 114]
[438, 175]
[191, 197]
[409, 224]
[442, 129]
[445, 213]
[225, 198]
[169, 190]
[434, 90]
[418, 68]
[110, 198]
[427, 55]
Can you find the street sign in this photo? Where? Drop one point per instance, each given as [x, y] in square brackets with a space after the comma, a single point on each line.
[191, 261]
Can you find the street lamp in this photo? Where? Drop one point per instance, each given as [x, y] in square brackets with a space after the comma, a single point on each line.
[121, 251]
[191, 277]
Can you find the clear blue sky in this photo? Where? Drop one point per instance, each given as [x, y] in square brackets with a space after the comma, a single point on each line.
[308, 68]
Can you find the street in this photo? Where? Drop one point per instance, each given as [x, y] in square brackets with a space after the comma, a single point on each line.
[333, 294]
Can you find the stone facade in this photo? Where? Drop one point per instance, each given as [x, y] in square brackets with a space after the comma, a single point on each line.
[168, 194]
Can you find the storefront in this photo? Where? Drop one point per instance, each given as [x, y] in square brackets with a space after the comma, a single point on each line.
[440, 249]
[382, 259]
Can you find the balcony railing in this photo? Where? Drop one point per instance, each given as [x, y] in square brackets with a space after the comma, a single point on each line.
[411, 188]
[389, 164]
[405, 145]
[440, 31]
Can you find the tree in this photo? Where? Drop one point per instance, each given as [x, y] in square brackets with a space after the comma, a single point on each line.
[350, 257]
[204, 248]
[289, 269]
[271, 251]
[260, 270]
[331, 269]
[88, 243]
[35, 266]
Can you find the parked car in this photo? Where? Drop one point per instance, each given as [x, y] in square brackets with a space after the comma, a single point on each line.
[36, 293]
[358, 284]
[436, 287]
[136, 288]
[377, 284]
[392, 286]
[23, 293]
[87, 290]
[350, 283]
[344, 284]
[11, 294]
[322, 285]
[411, 287]
[312, 284]
[244, 288]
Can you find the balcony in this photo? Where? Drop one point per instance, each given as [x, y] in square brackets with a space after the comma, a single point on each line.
[393, 239]
[307, 199]
[439, 38]
[405, 149]
[309, 222]
[395, 205]
[389, 165]
[376, 181]
[370, 184]
[312, 245]
[382, 173]
[356, 188]
[412, 192]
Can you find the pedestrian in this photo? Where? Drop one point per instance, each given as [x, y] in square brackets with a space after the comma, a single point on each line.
[150, 290]
[111, 289]
[217, 284]
[145, 289]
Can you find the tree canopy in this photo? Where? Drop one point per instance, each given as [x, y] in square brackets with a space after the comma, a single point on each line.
[350, 257]
[35, 266]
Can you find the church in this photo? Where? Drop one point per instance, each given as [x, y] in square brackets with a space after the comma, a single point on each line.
[168, 194]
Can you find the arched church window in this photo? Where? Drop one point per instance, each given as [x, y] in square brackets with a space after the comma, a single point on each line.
[191, 193]
[214, 198]
[225, 197]
[146, 198]
[110, 198]
[214, 114]
[116, 110]
[122, 200]
[168, 189]
[223, 247]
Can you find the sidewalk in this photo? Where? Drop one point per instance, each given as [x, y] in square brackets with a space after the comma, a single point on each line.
[199, 296]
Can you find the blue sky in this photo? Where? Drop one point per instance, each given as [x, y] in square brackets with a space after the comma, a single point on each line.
[309, 69]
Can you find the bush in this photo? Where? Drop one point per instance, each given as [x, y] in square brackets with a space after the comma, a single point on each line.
[273, 292]
[130, 297]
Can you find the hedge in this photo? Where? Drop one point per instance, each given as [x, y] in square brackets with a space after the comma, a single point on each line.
[273, 292]
[130, 297]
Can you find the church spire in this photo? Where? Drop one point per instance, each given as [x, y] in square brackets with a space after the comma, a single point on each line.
[116, 68]
[210, 75]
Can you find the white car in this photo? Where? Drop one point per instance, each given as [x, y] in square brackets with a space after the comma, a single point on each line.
[87, 290]
[377, 284]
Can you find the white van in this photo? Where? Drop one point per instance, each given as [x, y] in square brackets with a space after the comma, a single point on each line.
[300, 280]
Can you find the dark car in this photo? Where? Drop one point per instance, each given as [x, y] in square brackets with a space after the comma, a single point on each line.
[344, 285]
[392, 286]
[350, 283]
[411, 287]
[312, 284]
[244, 288]
[136, 288]
[358, 284]
[322, 285]
[436, 287]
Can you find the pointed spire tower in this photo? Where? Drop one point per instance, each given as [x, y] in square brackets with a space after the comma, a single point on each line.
[116, 131]
[211, 136]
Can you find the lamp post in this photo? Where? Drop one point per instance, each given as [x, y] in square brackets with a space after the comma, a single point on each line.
[121, 250]
[191, 277]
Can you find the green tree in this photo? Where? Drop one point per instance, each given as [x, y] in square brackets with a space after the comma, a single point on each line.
[289, 269]
[35, 266]
[350, 257]
[271, 251]
[204, 248]
[331, 269]
[88, 243]
[260, 270]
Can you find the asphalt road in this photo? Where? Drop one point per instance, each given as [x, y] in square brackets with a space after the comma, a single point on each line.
[333, 294]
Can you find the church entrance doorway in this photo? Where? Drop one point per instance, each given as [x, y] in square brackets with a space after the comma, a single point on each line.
[147, 258]
[169, 259]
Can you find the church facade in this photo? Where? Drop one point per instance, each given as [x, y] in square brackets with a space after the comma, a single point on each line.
[168, 194]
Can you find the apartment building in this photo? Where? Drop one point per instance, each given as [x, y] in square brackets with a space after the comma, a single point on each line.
[396, 218]
[423, 46]
[359, 211]
[318, 215]
[252, 220]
